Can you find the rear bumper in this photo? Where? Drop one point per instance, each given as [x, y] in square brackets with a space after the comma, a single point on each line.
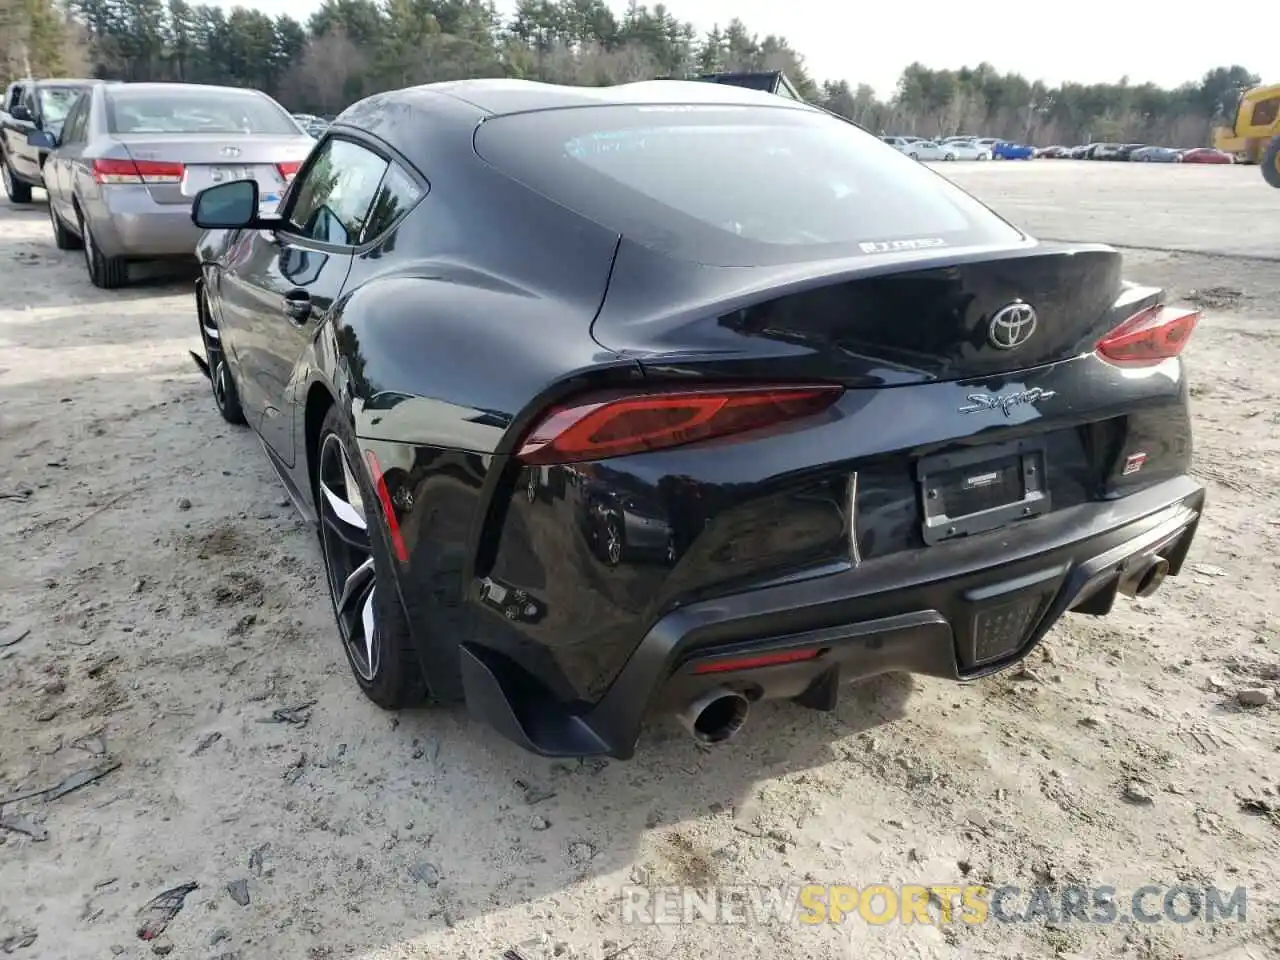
[128, 223]
[960, 611]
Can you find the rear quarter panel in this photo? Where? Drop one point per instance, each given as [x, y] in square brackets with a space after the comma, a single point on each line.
[455, 328]
[477, 302]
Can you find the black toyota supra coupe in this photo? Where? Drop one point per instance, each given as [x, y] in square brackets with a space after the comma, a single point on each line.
[674, 396]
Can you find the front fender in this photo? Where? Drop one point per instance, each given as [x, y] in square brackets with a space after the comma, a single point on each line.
[212, 246]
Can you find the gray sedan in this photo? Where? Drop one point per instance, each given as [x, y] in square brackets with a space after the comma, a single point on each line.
[130, 158]
[1156, 155]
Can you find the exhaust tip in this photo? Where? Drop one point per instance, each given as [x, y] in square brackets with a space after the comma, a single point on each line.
[1150, 579]
[717, 716]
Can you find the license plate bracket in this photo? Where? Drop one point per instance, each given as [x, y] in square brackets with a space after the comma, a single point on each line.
[982, 488]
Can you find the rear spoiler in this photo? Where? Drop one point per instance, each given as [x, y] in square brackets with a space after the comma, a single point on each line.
[768, 81]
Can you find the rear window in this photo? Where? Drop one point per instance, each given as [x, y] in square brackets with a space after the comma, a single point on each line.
[177, 110]
[736, 186]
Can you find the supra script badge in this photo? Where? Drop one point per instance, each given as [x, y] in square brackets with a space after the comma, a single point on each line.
[1005, 403]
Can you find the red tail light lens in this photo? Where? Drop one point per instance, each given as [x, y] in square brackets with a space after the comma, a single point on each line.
[137, 171]
[1155, 334]
[756, 662]
[594, 428]
[288, 170]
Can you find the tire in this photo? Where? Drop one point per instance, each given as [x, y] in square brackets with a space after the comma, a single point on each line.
[984, 156]
[914, 156]
[106, 273]
[1271, 163]
[221, 380]
[17, 190]
[63, 238]
[392, 675]
[949, 156]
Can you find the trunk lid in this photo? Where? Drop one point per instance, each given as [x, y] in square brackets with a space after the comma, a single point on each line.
[883, 319]
[209, 159]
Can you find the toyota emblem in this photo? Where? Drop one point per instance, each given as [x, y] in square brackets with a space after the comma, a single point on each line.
[231, 151]
[1012, 326]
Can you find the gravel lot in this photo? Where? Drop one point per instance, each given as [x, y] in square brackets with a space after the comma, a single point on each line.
[160, 603]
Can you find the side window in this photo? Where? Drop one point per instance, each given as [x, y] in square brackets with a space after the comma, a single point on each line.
[396, 194]
[333, 200]
[15, 97]
[1265, 112]
[73, 129]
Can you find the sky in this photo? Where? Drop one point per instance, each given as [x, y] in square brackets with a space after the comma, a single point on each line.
[1089, 41]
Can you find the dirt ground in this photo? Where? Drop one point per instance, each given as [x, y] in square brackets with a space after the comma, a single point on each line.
[163, 624]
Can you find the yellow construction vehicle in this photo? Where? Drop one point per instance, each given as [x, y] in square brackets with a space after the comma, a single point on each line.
[1254, 134]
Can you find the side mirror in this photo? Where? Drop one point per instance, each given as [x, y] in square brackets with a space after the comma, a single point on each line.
[20, 112]
[227, 206]
[42, 140]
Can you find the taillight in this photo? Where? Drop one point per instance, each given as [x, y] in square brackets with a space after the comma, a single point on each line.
[288, 170]
[599, 427]
[136, 171]
[1155, 334]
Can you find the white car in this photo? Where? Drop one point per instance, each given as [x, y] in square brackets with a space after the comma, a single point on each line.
[969, 150]
[920, 149]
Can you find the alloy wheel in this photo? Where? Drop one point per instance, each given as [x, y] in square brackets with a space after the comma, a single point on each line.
[348, 555]
[219, 378]
[213, 354]
[613, 540]
[89, 248]
[7, 177]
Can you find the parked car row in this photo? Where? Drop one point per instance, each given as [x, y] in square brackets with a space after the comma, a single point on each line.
[992, 148]
[121, 163]
[1135, 152]
[960, 148]
[315, 126]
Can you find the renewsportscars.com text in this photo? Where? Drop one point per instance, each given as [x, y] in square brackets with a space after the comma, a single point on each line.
[932, 904]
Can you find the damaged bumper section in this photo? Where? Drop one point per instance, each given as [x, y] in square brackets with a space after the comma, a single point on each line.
[945, 611]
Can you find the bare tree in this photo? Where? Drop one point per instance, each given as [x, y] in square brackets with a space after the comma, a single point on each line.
[331, 66]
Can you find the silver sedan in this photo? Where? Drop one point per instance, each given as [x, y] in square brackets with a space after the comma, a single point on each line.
[1156, 155]
[130, 158]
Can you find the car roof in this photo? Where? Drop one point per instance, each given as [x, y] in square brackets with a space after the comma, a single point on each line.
[64, 81]
[171, 87]
[433, 125]
[500, 96]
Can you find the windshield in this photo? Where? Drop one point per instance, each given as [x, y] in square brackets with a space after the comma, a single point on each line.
[56, 102]
[178, 110]
[736, 186]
